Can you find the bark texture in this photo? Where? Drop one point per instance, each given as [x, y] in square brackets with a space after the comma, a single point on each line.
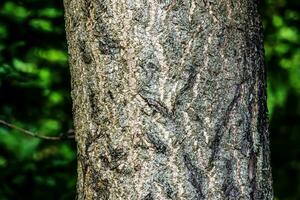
[169, 99]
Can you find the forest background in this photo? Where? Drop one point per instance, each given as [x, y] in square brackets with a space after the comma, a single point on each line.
[35, 95]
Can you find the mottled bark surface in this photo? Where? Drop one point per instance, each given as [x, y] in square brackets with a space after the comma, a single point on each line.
[169, 99]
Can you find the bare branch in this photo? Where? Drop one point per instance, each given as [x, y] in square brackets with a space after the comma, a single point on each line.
[63, 136]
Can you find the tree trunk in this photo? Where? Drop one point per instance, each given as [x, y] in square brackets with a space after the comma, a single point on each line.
[169, 99]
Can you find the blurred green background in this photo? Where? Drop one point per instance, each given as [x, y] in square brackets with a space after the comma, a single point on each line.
[35, 87]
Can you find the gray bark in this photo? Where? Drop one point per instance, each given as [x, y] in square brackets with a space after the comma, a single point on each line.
[169, 99]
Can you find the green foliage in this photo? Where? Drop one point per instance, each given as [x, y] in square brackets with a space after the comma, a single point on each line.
[35, 94]
[282, 46]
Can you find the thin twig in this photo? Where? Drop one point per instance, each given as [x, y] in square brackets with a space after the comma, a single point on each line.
[36, 135]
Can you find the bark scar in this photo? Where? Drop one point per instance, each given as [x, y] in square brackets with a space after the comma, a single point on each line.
[195, 176]
[222, 126]
[157, 106]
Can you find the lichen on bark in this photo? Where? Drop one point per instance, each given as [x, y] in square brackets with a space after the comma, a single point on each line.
[169, 99]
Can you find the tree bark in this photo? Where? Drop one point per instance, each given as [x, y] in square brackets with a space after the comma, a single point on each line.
[169, 99]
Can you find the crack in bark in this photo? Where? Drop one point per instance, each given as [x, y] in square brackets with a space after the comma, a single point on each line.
[149, 196]
[157, 106]
[85, 52]
[222, 126]
[169, 190]
[188, 85]
[230, 190]
[93, 102]
[252, 165]
[108, 44]
[159, 146]
[195, 176]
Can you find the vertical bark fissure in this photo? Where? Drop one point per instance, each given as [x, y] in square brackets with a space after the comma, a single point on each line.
[222, 125]
[169, 99]
[195, 176]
